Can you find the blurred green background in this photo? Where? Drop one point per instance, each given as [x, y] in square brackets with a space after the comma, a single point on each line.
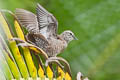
[96, 23]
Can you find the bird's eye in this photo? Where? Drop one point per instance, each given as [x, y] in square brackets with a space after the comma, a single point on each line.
[70, 33]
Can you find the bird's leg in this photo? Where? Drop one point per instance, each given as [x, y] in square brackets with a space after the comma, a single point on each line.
[50, 64]
[58, 60]
[30, 46]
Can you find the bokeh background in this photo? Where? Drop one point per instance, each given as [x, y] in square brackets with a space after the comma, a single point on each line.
[96, 23]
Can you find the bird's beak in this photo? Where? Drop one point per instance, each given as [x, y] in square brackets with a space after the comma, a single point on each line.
[75, 38]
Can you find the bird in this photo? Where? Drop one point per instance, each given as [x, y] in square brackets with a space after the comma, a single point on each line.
[42, 30]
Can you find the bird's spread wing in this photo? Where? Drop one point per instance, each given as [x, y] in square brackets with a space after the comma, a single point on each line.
[27, 19]
[47, 22]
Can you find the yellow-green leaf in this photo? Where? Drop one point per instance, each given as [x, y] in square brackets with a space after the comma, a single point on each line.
[14, 48]
[60, 73]
[67, 76]
[41, 72]
[49, 73]
[26, 52]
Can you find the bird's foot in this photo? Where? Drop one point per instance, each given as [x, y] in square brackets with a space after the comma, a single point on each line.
[30, 46]
[22, 42]
[58, 60]
[50, 60]
[17, 39]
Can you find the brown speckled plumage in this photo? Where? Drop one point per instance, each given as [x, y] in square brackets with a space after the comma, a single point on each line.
[43, 30]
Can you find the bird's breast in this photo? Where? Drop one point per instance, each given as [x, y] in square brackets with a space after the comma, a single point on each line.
[58, 46]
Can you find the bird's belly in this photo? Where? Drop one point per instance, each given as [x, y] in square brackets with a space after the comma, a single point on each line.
[58, 47]
[54, 48]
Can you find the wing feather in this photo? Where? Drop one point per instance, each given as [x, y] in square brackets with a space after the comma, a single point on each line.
[46, 20]
[44, 23]
[28, 20]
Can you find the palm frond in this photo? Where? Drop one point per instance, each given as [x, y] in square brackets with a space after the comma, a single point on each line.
[18, 66]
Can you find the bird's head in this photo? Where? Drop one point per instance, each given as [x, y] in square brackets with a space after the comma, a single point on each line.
[68, 36]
